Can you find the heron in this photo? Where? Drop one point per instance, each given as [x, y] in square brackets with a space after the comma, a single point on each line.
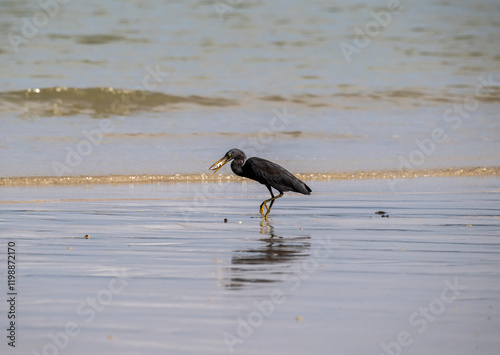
[265, 172]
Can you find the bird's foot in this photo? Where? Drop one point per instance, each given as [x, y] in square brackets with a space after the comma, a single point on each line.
[262, 208]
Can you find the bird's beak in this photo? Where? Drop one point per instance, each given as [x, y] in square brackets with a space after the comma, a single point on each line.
[219, 164]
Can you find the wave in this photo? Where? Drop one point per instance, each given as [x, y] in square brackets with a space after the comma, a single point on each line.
[200, 178]
[99, 101]
[105, 101]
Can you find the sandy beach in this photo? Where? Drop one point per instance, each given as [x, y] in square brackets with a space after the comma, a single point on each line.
[162, 273]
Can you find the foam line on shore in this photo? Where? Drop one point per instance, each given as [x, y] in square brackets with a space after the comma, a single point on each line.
[199, 178]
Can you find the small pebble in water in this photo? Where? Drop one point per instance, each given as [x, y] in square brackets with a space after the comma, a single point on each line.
[86, 236]
[225, 220]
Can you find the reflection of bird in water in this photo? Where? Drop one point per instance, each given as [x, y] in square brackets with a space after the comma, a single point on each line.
[267, 228]
[265, 172]
[276, 250]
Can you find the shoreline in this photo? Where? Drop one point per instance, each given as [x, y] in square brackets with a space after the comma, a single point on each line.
[197, 178]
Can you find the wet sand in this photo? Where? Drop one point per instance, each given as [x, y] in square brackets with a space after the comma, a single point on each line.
[162, 273]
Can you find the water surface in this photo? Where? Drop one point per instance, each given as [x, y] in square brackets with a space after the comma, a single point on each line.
[181, 84]
[324, 271]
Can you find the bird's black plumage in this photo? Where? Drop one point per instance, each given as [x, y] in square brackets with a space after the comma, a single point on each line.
[274, 175]
[264, 171]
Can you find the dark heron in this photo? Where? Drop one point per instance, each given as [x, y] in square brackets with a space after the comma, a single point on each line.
[265, 172]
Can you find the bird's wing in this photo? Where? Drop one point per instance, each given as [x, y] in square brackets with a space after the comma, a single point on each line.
[272, 174]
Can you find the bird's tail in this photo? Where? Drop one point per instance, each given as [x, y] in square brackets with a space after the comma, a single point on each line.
[301, 187]
[307, 189]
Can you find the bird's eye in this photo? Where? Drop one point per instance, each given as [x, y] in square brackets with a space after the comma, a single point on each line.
[229, 155]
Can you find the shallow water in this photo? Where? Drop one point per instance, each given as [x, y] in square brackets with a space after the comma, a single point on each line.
[325, 274]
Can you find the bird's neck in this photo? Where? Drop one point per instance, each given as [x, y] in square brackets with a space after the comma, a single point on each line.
[236, 166]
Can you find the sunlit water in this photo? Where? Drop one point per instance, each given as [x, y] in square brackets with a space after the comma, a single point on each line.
[181, 84]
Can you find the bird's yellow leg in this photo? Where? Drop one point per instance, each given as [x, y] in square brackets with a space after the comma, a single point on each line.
[271, 205]
[264, 204]
[262, 207]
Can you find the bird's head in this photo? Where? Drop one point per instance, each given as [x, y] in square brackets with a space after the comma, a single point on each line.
[232, 154]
